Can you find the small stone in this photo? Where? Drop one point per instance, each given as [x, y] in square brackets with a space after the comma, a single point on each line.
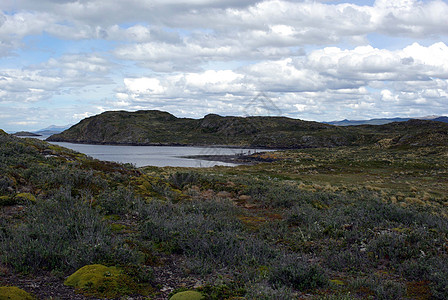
[224, 194]
[244, 198]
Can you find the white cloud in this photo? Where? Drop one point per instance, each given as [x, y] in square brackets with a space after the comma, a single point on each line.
[261, 23]
[414, 62]
[54, 77]
[144, 85]
[315, 59]
[327, 82]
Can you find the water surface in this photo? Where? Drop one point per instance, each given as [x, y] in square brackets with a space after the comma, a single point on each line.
[159, 156]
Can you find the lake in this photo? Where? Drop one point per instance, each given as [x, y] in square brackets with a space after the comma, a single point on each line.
[159, 156]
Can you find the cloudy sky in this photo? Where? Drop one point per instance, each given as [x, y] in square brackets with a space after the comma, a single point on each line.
[64, 60]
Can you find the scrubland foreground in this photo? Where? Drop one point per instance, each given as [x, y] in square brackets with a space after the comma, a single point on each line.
[341, 223]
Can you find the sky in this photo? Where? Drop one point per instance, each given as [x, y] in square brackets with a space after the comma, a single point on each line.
[65, 60]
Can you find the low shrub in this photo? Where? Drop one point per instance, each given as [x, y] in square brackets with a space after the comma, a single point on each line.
[265, 291]
[297, 273]
[117, 201]
[60, 233]
[182, 179]
[205, 230]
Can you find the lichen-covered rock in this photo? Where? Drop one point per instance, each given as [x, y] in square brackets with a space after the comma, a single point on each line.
[188, 295]
[14, 293]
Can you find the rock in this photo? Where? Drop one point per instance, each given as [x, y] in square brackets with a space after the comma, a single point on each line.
[224, 194]
[188, 295]
[208, 194]
[244, 198]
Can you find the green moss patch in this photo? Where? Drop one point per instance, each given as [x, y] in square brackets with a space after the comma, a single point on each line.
[26, 197]
[101, 281]
[14, 293]
[6, 201]
[187, 295]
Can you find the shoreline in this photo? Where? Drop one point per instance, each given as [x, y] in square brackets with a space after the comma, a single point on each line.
[168, 145]
[172, 145]
[245, 159]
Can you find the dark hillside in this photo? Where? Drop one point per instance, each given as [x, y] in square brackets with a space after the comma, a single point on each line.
[161, 128]
[412, 132]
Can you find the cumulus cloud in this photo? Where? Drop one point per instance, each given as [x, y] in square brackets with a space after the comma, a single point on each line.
[314, 59]
[54, 77]
[361, 79]
[284, 23]
[414, 62]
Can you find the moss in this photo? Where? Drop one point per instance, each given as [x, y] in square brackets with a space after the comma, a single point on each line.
[102, 281]
[187, 295]
[91, 276]
[6, 201]
[337, 282]
[115, 227]
[14, 293]
[26, 197]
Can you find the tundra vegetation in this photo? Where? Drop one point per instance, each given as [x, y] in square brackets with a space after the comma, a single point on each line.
[350, 222]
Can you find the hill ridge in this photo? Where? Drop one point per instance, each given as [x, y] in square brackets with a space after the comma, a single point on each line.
[153, 127]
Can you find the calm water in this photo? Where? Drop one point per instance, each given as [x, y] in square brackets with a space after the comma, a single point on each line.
[160, 156]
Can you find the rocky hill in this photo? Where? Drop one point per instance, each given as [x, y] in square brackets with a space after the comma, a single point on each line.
[162, 128]
[26, 133]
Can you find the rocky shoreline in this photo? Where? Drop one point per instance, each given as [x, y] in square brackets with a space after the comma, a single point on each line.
[249, 159]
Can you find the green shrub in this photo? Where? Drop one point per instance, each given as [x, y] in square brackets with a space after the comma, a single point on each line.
[206, 230]
[297, 273]
[6, 185]
[388, 289]
[415, 269]
[439, 277]
[182, 179]
[117, 201]
[60, 233]
[379, 288]
[264, 291]
[350, 259]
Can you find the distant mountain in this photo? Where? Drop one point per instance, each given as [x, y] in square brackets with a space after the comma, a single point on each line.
[441, 119]
[382, 121]
[56, 128]
[162, 128]
[52, 129]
